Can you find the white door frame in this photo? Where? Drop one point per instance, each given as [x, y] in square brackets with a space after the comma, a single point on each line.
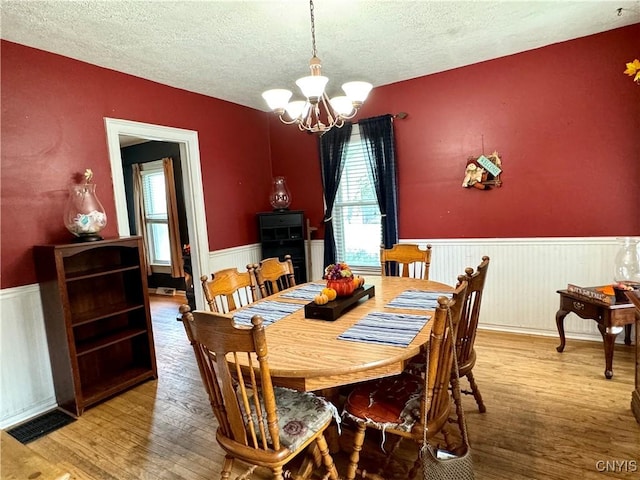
[192, 183]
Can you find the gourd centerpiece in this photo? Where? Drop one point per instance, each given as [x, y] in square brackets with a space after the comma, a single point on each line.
[340, 278]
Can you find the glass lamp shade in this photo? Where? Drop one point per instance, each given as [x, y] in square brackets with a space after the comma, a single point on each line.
[84, 214]
[357, 91]
[312, 86]
[277, 98]
[342, 105]
[280, 197]
[297, 109]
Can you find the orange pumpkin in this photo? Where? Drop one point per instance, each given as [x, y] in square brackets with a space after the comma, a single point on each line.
[330, 293]
[343, 286]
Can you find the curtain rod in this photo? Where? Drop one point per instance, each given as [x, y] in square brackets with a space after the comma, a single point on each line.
[400, 115]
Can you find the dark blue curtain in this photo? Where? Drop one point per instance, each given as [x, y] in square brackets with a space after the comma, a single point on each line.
[332, 151]
[377, 133]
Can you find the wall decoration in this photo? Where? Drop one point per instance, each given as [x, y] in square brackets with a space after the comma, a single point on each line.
[633, 70]
[483, 172]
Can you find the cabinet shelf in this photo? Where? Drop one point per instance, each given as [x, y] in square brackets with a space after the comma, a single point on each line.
[112, 385]
[82, 348]
[96, 310]
[98, 272]
[104, 312]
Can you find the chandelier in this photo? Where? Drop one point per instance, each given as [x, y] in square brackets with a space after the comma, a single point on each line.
[317, 113]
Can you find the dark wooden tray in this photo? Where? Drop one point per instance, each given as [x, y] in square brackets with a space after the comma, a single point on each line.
[331, 311]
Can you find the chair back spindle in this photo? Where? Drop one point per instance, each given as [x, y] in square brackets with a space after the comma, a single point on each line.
[228, 290]
[273, 276]
[405, 260]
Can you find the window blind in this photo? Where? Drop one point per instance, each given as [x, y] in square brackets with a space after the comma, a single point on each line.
[356, 216]
[155, 212]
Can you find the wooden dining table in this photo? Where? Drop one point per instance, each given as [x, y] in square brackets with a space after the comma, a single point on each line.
[306, 354]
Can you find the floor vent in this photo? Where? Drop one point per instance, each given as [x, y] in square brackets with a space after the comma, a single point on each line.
[166, 291]
[39, 426]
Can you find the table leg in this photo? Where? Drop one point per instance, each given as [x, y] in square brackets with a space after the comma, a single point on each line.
[627, 334]
[560, 324]
[609, 342]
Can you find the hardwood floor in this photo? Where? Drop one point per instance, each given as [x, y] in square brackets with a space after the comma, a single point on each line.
[549, 416]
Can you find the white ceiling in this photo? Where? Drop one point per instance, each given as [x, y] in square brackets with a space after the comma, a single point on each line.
[234, 50]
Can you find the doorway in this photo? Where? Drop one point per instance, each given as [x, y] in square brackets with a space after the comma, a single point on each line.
[187, 140]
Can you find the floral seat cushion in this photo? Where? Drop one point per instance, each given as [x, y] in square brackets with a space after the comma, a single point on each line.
[390, 402]
[300, 416]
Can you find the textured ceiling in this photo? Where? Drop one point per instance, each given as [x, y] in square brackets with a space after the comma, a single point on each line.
[234, 50]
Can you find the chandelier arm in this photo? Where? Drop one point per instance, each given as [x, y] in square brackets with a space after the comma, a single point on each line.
[349, 117]
[329, 109]
[314, 118]
[288, 122]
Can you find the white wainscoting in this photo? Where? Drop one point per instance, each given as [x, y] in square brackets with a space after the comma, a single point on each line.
[238, 257]
[524, 274]
[26, 383]
[520, 296]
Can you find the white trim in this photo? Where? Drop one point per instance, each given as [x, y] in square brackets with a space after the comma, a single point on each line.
[514, 241]
[192, 183]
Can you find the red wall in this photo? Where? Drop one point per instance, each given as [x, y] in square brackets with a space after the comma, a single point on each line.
[53, 129]
[564, 118]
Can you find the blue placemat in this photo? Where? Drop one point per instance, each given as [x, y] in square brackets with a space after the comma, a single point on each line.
[417, 300]
[393, 329]
[270, 311]
[304, 292]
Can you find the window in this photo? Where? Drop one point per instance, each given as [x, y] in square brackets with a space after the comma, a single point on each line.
[155, 213]
[356, 215]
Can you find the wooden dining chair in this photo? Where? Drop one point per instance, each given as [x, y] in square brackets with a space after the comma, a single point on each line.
[405, 260]
[273, 276]
[466, 336]
[228, 289]
[258, 424]
[396, 405]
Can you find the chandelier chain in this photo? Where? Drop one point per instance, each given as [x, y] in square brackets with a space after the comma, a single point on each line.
[313, 30]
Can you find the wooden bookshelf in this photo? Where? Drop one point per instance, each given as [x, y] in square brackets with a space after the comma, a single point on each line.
[96, 308]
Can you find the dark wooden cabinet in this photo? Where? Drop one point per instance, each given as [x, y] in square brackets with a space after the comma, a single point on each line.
[97, 317]
[282, 233]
